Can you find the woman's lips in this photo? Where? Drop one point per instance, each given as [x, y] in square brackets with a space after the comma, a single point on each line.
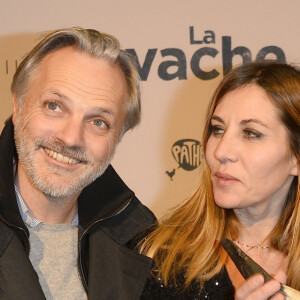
[225, 179]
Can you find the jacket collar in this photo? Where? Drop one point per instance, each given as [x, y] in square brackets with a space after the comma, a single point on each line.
[103, 198]
[9, 210]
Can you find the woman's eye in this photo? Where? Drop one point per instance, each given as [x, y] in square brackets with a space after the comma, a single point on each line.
[53, 106]
[216, 130]
[252, 134]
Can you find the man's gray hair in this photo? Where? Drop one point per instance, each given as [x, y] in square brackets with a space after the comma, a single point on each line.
[98, 45]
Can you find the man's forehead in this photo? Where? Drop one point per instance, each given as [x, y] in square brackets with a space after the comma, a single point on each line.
[83, 71]
[71, 57]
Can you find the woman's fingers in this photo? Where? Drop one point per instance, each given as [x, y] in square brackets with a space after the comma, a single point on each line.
[281, 277]
[254, 288]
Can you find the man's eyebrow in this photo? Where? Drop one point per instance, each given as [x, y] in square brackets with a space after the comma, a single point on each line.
[245, 122]
[95, 110]
[59, 95]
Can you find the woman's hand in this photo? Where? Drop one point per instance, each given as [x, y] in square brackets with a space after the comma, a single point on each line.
[254, 288]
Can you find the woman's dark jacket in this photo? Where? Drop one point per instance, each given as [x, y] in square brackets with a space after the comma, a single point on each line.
[110, 216]
[217, 288]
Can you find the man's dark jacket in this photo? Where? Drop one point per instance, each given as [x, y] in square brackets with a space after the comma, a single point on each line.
[110, 216]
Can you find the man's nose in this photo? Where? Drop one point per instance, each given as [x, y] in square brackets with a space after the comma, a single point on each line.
[71, 132]
[227, 148]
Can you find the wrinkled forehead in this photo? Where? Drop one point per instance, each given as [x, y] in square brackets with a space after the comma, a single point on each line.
[81, 68]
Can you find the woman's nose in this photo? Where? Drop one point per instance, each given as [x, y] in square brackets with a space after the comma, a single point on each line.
[227, 148]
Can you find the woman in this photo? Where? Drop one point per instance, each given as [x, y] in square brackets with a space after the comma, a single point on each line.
[249, 193]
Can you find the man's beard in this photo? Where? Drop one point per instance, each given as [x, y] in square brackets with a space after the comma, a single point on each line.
[40, 176]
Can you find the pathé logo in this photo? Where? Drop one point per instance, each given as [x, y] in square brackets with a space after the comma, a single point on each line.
[187, 154]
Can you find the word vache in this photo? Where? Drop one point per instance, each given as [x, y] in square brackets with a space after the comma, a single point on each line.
[175, 64]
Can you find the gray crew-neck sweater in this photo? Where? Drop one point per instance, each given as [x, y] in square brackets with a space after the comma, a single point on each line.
[53, 254]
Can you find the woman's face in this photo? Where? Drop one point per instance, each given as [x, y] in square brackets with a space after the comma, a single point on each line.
[248, 152]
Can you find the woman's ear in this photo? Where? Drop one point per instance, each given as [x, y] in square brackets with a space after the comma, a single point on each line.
[294, 164]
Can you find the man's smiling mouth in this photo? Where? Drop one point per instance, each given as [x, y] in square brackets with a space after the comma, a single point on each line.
[59, 157]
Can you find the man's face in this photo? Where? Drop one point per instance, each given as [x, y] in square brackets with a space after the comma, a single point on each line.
[70, 122]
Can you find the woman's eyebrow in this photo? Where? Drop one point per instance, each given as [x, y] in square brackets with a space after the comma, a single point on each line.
[245, 122]
[214, 117]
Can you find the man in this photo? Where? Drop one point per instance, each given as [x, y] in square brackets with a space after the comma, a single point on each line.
[66, 217]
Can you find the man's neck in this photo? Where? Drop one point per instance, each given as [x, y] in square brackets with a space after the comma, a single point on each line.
[51, 211]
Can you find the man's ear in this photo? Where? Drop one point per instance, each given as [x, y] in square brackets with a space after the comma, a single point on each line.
[16, 108]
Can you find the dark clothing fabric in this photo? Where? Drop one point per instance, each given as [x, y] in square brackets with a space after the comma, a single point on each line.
[217, 288]
[110, 216]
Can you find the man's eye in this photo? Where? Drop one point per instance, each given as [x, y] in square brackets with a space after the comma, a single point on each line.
[53, 106]
[99, 123]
